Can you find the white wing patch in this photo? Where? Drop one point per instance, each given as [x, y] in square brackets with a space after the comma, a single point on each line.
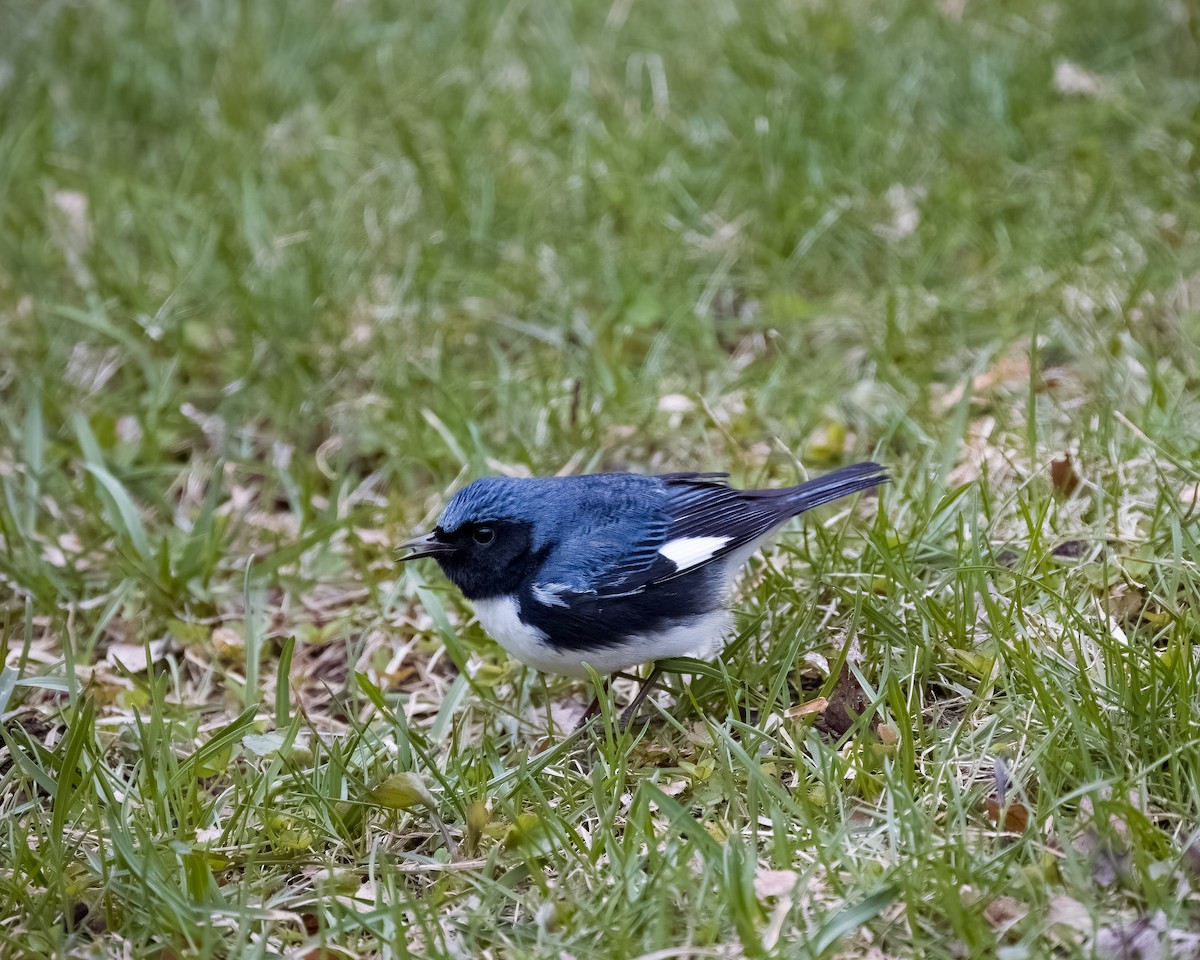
[550, 594]
[686, 552]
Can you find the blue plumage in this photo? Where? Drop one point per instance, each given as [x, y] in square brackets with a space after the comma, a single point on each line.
[606, 514]
[612, 569]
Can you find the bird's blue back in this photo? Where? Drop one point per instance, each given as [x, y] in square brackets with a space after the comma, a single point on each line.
[596, 528]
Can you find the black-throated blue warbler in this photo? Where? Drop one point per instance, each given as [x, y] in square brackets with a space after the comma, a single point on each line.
[613, 569]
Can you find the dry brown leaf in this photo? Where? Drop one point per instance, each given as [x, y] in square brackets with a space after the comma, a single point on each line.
[1063, 476]
[1125, 603]
[281, 522]
[847, 702]
[775, 883]
[1053, 377]
[1010, 370]
[403, 791]
[1005, 911]
[1067, 919]
[228, 642]
[565, 714]
[814, 663]
[132, 656]
[1012, 819]
[374, 537]
[1070, 549]
[807, 708]
[983, 454]
[103, 685]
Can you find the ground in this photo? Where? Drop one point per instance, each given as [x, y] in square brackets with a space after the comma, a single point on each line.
[275, 278]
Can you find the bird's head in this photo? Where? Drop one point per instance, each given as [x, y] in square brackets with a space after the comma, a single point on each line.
[485, 539]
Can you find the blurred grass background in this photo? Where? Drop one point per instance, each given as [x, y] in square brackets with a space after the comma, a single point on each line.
[274, 277]
[322, 219]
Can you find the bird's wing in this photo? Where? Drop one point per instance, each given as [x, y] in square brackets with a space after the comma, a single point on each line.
[709, 521]
[697, 520]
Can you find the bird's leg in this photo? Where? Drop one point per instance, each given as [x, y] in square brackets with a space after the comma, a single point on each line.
[630, 711]
[593, 707]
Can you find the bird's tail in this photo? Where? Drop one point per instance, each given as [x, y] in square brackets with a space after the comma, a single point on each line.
[832, 486]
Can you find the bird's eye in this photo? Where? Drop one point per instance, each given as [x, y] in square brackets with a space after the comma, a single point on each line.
[485, 535]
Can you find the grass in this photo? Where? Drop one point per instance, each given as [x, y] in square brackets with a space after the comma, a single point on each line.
[274, 278]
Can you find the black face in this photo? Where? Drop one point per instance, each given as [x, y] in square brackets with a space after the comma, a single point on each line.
[487, 559]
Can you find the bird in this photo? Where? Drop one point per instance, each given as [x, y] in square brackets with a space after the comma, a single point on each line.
[613, 570]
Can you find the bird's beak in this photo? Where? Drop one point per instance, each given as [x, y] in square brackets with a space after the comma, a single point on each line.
[426, 546]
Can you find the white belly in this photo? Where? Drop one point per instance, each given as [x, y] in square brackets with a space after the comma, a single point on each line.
[703, 637]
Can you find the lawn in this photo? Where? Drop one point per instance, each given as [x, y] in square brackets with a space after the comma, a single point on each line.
[277, 278]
